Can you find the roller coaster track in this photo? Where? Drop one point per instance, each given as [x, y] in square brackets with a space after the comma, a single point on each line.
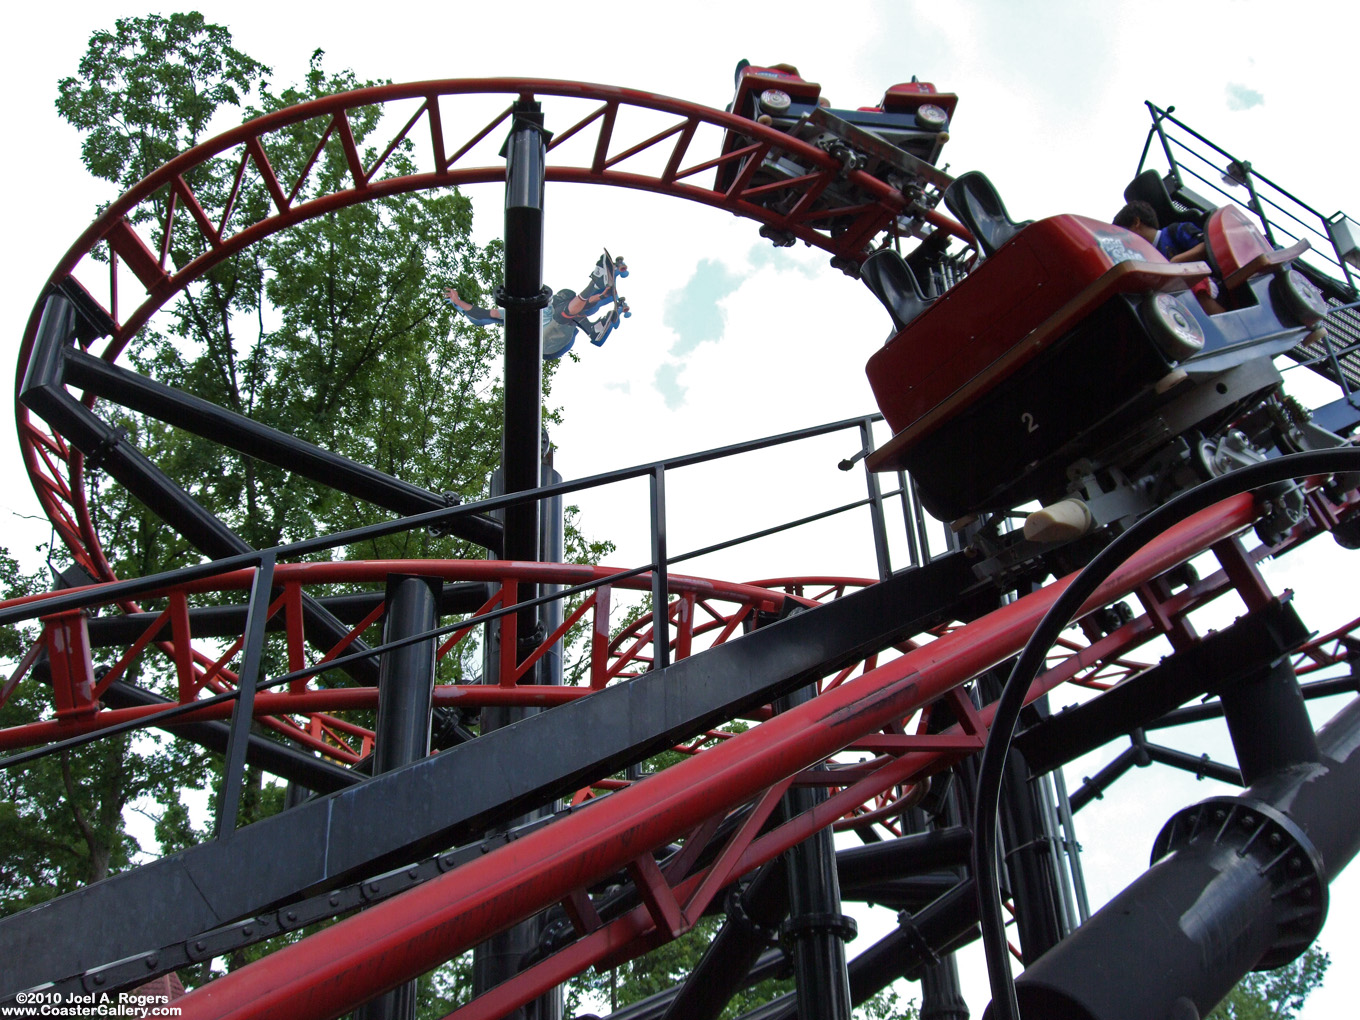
[635, 858]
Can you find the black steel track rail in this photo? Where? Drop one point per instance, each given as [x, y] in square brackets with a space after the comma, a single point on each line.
[237, 432]
[452, 798]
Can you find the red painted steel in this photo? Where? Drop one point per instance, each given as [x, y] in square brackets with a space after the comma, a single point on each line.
[56, 471]
[725, 605]
[350, 962]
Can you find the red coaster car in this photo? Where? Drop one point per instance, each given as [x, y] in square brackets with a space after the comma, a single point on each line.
[912, 119]
[1073, 348]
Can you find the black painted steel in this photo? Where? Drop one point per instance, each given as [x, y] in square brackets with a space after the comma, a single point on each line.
[918, 942]
[237, 432]
[815, 929]
[43, 392]
[228, 621]
[1268, 722]
[402, 733]
[525, 155]
[1211, 665]
[270, 755]
[505, 953]
[406, 676]
[393, 818]
[1244, 887]
[1011, 703]
[243, 712]
[1094, 787]
[752, 926]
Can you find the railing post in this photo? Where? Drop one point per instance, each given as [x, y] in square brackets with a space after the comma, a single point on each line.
[880, 526]
[661, 623]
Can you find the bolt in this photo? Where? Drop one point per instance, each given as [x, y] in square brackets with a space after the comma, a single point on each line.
[99, 979]
[412, 874]
[246, 930]
[373, 887]
[335, 899]
[1248, 821]
[291, 915]
[152, 960]
[1276, 839]
[200, 945]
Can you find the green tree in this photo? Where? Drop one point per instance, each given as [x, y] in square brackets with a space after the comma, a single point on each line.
[333, 332]
[1275, 994]
[147, 90]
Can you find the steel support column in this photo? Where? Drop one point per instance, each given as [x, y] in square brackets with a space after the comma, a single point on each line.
[402, 733]
[501, 957]
[1241, 883]
[816, 929]
[523, 299]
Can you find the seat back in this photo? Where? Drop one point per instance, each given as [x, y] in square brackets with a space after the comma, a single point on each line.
[973, 199]
[895, 285]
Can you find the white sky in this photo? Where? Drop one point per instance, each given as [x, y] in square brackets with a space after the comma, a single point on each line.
[1051, 108]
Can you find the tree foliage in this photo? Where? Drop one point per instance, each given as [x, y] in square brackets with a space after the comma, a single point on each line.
[333, 332]
[1275, 994]
[147, 90]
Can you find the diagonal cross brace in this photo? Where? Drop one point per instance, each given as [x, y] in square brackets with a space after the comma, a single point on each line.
[452, 797]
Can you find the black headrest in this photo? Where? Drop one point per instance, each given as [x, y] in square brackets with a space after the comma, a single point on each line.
[974, 200]
[893, 283]
[1150, 188]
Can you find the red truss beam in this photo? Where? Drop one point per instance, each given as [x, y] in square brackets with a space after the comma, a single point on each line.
[198, 674]
[328, 973]
[615, 158]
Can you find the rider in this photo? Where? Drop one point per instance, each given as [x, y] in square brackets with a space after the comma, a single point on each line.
[1178, 242]
[566, 311]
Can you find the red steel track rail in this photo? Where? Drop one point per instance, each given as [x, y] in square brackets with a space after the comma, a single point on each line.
[644, 142]
[354, 960]
[621, 137]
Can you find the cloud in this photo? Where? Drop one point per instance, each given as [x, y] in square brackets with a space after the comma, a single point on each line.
[622, 387]
[667, 383]
[765, 254]
[1242, 98]
[693, 312]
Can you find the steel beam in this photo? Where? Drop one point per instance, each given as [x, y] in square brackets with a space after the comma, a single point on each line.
[273, 757]
[356, 958]
[402, 733]
[104, 446]
[244, 435]
[457, 795]
[816, 930]
[1239, 883]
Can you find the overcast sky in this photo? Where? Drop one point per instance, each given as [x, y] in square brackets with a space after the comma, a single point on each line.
[731, 339]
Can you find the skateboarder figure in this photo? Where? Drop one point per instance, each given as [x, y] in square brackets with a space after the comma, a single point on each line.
[567, 311]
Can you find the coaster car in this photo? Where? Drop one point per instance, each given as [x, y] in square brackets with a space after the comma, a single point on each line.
[912, 119]
[1073, 365]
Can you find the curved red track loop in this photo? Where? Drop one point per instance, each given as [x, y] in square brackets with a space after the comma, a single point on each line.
[200, 673]
[615, 136]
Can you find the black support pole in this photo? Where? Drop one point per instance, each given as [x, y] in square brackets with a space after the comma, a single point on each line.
[1240, 883]
[402, 734]
[1268, 722]
[816, 930]
[523, 299]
